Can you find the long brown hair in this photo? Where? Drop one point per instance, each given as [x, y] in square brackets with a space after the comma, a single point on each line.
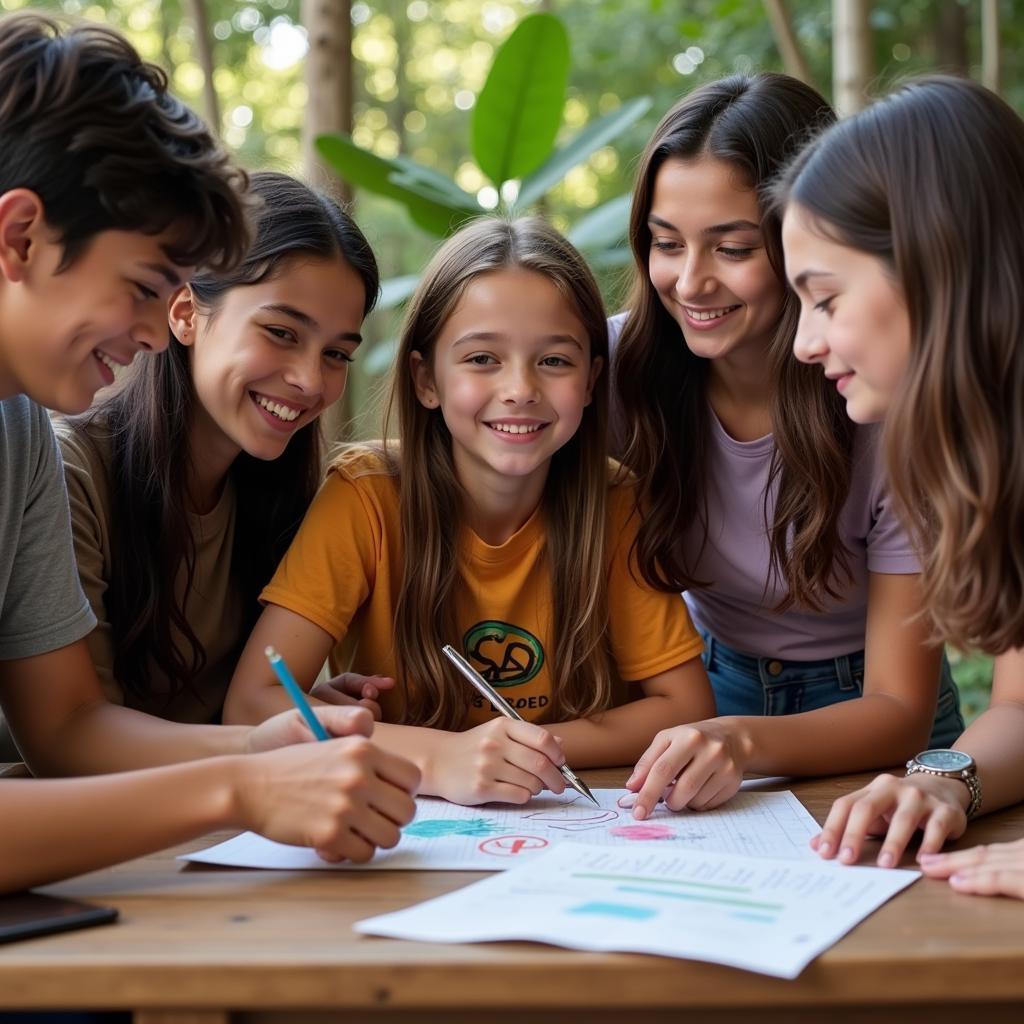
[930, 180]
[753, 123]
[148, 419]
[575, 494]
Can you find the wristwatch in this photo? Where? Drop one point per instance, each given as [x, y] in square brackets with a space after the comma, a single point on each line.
[950, 764]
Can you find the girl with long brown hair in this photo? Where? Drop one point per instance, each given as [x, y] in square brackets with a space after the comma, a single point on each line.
[188, 481]
[494, 524]
[759, 498]
[904, 237]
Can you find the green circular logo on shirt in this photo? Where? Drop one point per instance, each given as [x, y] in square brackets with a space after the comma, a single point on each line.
[505, 655]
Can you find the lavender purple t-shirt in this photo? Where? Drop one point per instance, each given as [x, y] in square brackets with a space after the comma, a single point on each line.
[737, 607]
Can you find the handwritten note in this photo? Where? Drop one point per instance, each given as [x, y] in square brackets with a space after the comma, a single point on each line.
[762, 914]
[494, 837]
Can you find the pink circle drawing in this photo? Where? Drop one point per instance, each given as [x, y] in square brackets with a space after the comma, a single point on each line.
[643, 832]
[512, 846]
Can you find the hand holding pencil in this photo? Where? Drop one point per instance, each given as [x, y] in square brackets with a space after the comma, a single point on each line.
[505, 758]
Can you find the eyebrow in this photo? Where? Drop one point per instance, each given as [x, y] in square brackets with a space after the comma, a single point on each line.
[306, 320]
[715, 229]
[172, 278]
[801, 279]
[562, 339]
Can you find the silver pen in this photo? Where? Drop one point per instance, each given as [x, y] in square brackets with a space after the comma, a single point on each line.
[499, 704]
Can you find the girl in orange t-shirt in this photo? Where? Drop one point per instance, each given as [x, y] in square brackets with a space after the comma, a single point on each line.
[496, 526]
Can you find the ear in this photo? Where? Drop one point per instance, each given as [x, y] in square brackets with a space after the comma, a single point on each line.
[181, 315]
[23, 232]
[423, 381]
[596, 368]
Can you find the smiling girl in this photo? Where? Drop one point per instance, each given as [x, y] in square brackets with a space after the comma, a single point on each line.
[904, 236]
[188, 482]
[761, 500]
[492, 525]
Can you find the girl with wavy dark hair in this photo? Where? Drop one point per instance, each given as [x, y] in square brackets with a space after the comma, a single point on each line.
[904, 236]
[760, 499]
[189, 481]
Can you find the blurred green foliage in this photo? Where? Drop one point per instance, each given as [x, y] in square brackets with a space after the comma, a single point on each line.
[420, 64]
[973, 675]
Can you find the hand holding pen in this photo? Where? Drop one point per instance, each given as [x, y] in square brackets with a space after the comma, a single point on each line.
[521, 729]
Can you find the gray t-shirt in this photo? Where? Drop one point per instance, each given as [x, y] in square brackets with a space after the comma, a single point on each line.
[737, 608]
[42, 607]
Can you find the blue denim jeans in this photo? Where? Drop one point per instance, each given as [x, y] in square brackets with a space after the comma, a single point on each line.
[748, 685]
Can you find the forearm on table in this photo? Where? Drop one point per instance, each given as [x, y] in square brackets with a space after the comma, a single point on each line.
[101, 737]
[873, 731]
[996, 742]
[256, 704]
[58, 828]
[424, 747]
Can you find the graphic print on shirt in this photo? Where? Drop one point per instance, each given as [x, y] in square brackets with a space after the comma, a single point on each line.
[505, 655]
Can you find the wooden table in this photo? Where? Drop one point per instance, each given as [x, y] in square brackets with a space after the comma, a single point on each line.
[211, 945]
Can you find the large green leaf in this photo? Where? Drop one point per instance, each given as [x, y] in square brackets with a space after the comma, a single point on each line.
[380, 357]
[361, 168]
[611, 259]
[426, 189]
[591, 138]
[604, 226]
[438, 182]
[396, 290]
[519, 109]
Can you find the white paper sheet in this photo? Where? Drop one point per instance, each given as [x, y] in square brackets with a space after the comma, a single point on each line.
[761, 914]
[450, 837]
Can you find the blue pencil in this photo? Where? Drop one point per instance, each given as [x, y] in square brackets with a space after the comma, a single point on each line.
[294, 691]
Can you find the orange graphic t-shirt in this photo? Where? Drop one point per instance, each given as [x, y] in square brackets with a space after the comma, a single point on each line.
[343, 572]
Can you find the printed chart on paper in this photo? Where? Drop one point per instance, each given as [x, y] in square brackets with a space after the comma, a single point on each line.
[494, 837]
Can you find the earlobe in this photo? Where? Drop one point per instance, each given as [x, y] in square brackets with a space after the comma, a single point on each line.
[22, 232]
[423, 381]
[181, 315]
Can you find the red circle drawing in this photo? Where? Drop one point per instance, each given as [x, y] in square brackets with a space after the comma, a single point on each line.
[511, 846]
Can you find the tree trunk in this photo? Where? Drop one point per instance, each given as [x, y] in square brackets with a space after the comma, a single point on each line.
[400, 105]
[951, 52]
[204, 53]
[328, 25]
[785, 39]
[851, 55]
[990, 57]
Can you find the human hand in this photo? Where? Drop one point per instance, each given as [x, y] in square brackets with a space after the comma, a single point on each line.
[695, 766]
[290, 727]
[894, 808]
[350, 689]
[344, 797]
[994, 870]
[502, 760]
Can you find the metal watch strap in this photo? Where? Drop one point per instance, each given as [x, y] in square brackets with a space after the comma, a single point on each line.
[969, 777]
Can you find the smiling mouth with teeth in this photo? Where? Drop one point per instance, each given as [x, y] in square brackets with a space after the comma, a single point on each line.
[282, 412]
[708, 314]
[106, 361]
[516, 428]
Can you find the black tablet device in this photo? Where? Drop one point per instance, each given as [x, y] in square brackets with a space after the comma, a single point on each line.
[24, 915]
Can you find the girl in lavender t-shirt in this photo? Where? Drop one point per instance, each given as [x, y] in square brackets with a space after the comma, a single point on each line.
[761, 500]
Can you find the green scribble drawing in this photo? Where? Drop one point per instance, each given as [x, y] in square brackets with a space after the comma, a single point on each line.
[438, 828]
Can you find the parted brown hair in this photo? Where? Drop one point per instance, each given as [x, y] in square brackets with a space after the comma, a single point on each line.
[930, 180]
[754, 124]
[148, 419]
[575, 494]
[90, 127]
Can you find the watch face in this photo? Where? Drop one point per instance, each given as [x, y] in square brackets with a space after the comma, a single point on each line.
[944, 760]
